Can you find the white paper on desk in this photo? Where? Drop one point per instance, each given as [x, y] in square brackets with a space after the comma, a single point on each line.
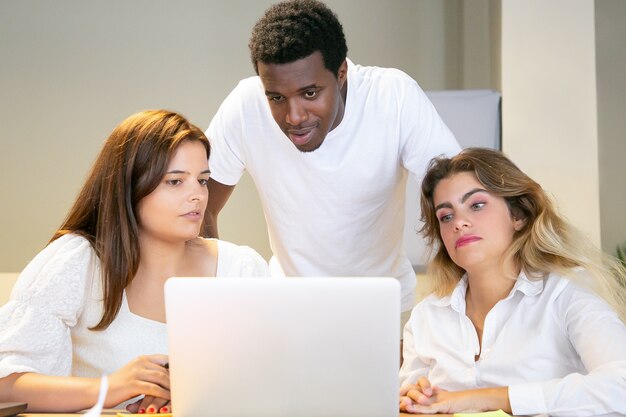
[96, 410]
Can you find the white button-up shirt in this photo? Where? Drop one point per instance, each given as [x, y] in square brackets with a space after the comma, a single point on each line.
[558, 347]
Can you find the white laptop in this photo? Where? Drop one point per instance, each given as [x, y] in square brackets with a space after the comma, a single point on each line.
[292, 347]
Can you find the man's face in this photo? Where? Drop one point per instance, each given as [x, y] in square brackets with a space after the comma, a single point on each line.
[305, 98]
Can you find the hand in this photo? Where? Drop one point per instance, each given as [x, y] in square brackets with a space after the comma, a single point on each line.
[157, 405]
[418, 393]
[416, 399]
[144, 375]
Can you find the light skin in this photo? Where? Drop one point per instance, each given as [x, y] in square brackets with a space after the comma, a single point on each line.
[477, 228]
[306, 100]
[169, 223]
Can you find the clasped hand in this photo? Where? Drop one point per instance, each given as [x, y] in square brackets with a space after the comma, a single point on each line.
[422, 398]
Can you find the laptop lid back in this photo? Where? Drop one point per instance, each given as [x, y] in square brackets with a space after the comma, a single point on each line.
[283, 346]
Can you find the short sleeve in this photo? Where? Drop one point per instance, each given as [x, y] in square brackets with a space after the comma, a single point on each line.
[424, 134]
[225, 133]
[46, 302]
[240, 261]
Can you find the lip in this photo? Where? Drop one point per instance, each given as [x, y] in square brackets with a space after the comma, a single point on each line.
[193, 215]
[466, 240]
[301, 136]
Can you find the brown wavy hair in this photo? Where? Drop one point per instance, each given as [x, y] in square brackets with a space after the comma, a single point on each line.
[546, 243]
[132, 162]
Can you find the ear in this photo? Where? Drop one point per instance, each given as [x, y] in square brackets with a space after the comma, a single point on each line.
[342, 73]
[518, 224]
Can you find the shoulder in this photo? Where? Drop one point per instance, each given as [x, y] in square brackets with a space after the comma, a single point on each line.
[390, 76]
[59, 276]
[246, 101]
[62, 259]
[236, 260]
[247, 88]
[573, 297]
[431, 306]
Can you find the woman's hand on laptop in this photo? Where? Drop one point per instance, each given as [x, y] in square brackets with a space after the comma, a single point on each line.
[150, 405]
[145, 375]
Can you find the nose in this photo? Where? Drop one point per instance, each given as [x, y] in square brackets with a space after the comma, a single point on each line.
[296, 113]
[199, 193]
[460, 223]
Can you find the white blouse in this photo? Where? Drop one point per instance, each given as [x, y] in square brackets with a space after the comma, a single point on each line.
[44, 327]
[559, 348]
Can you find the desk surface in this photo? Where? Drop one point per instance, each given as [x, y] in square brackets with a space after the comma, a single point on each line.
[109, 413]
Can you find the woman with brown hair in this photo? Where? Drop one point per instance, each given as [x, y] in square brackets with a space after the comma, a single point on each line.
[92, 301]
[524, 314]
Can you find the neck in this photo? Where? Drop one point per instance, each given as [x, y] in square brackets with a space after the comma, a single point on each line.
[488, 286]
[160, 260]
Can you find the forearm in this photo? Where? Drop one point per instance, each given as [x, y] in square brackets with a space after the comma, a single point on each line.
[50, 393]
[218, 196]
[489, 399]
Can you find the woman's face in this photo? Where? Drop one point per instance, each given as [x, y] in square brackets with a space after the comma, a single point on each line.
[173, 212]
[476, 227]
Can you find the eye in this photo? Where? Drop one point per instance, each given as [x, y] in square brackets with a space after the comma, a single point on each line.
[276, 99]
[311, 94]
[173, 182]
[478, 206]
[203, 181]
[445, 218]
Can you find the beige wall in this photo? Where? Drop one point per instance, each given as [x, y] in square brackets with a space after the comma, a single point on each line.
[71, 70]
[611, 85]
[549, 101]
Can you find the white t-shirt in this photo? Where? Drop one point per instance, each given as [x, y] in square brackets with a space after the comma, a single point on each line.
[559, 348]
[337, 211]
[44, 327]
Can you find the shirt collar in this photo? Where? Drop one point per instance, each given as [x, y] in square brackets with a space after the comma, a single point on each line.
[523, 284]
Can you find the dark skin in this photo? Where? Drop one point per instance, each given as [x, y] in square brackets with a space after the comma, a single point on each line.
[307, 101]
[219, 195]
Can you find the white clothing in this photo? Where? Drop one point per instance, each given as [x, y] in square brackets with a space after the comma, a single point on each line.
[44, 328]
[337, 211]
[560, 349]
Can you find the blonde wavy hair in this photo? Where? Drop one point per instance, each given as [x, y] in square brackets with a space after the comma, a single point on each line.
[546, 243]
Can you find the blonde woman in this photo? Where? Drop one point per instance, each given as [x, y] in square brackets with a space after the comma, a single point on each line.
[92, 301]
[524, 314]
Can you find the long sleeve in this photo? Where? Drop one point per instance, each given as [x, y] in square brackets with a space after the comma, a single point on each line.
[412, 366]
[46, 302]
[599, 337]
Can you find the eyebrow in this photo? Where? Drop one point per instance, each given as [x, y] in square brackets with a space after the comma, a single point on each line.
[306, 87]
[463, 199]
[178, 171]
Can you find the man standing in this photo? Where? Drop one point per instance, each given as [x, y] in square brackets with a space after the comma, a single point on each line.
[328, 144]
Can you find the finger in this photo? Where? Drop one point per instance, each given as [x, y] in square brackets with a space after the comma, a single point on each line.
[406, 388]
[157, 359]
[425, 387]
[133, 408]
[404, 402]
[421, 409]
[418, 397]
[156, 405]
[154, 374]
[166, 408]
[153, 390]
[145, 402]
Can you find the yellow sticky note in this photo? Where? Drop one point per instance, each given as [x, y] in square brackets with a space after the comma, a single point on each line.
[122, 414]
[498, 413]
